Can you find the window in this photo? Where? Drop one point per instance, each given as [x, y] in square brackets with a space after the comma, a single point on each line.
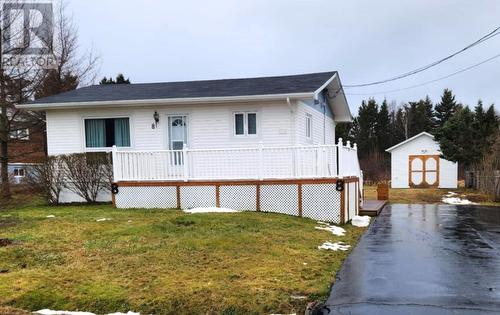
[309, 130]
[103, 133]
[21, 134]
[245, 124]
[19, 172]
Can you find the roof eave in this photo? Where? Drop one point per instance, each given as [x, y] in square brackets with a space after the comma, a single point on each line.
[336, 79]
[424, 133]
[168, 101]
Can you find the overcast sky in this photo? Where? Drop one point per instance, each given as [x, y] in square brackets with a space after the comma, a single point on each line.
[156, 41]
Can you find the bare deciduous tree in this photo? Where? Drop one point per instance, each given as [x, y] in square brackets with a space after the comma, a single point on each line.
[18, 85]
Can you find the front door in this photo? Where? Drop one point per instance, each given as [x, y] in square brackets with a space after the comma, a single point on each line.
[177, 137]
[423, 171]
[177, 132]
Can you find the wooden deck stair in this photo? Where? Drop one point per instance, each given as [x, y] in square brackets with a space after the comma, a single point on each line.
[372, 208]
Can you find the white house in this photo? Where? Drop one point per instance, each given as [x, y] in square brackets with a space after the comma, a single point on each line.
[417, 163]
[220, 130]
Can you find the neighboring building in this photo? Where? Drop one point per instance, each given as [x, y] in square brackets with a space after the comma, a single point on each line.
[26, 147]
[417, 163]
[235, 129]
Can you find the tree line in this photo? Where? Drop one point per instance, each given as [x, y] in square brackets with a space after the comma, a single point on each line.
[465, 135]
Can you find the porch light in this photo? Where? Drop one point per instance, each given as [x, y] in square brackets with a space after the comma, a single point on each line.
[156, 117]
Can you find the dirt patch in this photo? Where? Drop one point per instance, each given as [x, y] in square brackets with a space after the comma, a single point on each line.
[5, 242]
[13, 311]
[8, 221]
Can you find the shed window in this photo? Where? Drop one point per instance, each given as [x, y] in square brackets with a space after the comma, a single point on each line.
[245, 124]
[19, 172]
[103, 133]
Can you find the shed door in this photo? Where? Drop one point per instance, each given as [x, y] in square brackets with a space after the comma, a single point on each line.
[424, 171]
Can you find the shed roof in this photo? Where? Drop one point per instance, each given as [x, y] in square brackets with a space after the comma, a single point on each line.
[410, 140]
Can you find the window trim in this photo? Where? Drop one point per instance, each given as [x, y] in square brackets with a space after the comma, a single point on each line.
[245, 124]
[17, 134]
[18, 169]
[106, 149]
[309, 127]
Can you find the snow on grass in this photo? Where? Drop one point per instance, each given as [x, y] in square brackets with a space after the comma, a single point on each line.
[359, 221]
[103, 219]
[51, 312]
[210, 210]
[335, 230]
[453, 198]
[457, 201]
[334, 246]
[51, 216]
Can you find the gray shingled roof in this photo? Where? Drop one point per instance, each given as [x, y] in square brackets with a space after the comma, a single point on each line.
[305, 83]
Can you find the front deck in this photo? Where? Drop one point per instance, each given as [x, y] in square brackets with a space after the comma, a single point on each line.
[319, 182]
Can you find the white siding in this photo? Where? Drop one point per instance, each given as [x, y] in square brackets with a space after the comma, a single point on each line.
[209, 126]
[323, 126]
[423, 145]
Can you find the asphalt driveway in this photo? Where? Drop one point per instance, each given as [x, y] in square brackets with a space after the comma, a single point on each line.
[423, 259]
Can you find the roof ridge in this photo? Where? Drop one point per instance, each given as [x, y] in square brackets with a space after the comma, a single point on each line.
[214, 80]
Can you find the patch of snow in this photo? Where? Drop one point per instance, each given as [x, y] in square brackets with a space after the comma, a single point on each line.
[335, 230]
[457, 201]
[129, 221]
[334, 246]
[210, 210]
[103, 219]
[451, 194]
[51, 216]
[363, 221]
[51, 312]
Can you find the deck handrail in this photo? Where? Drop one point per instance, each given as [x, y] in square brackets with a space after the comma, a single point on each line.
[260, 162]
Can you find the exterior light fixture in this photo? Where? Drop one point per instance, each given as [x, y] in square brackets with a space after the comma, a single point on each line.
[156, 117]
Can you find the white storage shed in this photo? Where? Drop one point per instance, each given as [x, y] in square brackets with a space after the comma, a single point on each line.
[416, 163]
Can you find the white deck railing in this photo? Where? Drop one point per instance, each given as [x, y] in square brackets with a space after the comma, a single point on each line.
[294, 162]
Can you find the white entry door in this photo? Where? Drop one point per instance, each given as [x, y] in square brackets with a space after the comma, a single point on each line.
[177, 132]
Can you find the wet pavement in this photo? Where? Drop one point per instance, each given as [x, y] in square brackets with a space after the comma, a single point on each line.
[423, 259]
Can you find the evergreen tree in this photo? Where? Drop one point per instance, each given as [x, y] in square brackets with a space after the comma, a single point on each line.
[343, 130]
[383, 127]
[485, 125]
[420, 117]
[120, 79]
[56, 82]
[399, 126]
[446, 108]
[458, 138]
[367, 124]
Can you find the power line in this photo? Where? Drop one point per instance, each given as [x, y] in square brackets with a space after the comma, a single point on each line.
[491, 34]
[431, 81]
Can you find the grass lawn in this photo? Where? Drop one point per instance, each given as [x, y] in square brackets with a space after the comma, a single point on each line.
[163, 262]
[428, 195]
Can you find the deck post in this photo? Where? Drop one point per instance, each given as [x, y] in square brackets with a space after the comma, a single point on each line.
[261, 160]
[340, 148]
[114, 156]
[185, 159]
